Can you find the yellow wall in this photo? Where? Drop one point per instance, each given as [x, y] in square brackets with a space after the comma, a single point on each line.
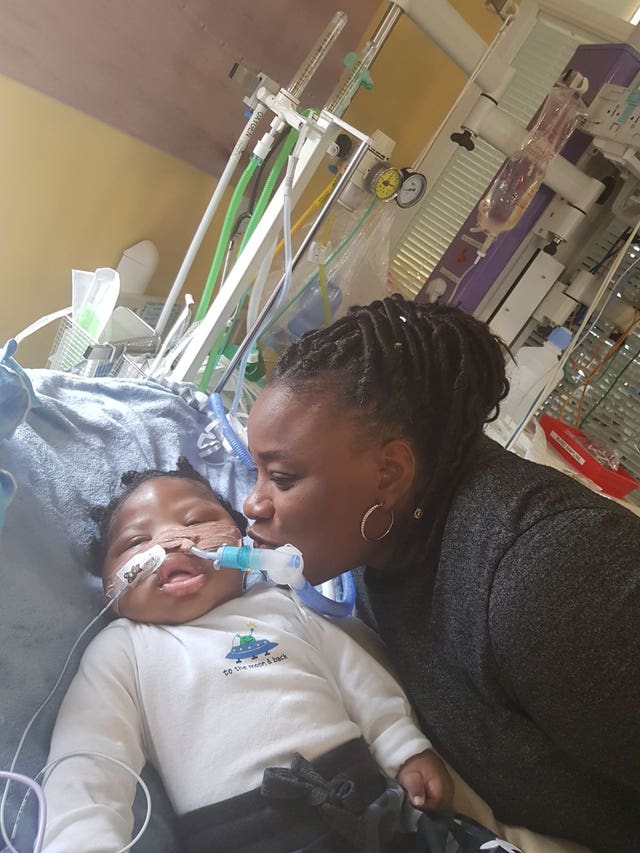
[76, 192]
[415, 83]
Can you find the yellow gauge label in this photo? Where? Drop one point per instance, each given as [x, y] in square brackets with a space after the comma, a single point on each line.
[386, 183]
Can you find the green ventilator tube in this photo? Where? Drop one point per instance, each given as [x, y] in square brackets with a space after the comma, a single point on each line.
[225, 235]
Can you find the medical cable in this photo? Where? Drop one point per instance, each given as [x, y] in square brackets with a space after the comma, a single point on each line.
[344, 179]
[32, 785]
[270, 184]
[43, 705]
[255, 190]
[49, 768]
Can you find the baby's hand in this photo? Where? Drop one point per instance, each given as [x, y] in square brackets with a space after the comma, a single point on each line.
[426, 780]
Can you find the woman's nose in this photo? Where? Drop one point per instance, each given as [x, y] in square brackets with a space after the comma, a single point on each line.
[257, 504]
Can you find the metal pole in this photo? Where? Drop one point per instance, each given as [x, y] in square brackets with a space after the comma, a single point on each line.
[337, 190]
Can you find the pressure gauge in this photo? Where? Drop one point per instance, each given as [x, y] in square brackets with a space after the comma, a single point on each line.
[384, 182]
[412, 188]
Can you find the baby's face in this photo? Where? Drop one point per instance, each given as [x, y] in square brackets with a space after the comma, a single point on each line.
[184, 587]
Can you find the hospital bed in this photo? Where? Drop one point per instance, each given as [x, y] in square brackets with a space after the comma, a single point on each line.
[83, 432]
[67, 456]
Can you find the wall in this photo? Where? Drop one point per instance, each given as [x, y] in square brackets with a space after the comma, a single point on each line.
[415, 83]
[76, 192]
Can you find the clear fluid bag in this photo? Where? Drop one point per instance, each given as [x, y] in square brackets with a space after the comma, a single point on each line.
[520, 177]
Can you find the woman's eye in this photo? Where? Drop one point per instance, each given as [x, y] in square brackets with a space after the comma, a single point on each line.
[283, 481]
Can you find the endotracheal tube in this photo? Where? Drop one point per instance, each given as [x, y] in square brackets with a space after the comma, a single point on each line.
[283, 565]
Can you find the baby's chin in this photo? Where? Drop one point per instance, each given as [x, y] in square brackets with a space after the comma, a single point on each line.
[182, 609]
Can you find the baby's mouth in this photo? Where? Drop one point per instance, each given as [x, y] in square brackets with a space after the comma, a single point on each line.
[177, 576]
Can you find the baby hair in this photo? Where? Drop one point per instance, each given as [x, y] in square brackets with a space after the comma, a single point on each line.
[131, 480]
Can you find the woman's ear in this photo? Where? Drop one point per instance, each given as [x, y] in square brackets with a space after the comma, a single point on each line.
[397, 472]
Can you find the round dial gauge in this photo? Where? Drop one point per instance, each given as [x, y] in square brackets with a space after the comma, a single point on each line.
[384, 182]
[411, 190]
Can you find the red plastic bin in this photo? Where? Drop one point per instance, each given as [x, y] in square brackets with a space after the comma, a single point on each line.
[569, 442]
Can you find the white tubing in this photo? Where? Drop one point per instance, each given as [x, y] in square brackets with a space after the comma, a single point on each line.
[258, 287]
[458, 40]
[208, 215]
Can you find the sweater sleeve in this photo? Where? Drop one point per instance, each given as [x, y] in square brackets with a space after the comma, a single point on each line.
[563, 621]
[371, 696]
[89, 800]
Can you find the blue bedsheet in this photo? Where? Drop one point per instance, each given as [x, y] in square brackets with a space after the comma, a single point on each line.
[66, 457]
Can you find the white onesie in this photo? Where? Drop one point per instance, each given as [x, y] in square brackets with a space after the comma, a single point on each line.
[211, 704]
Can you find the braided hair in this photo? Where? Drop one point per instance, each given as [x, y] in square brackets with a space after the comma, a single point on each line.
[426, 372]
[103, 515]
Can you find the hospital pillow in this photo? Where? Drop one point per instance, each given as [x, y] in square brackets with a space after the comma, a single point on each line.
[67, 456]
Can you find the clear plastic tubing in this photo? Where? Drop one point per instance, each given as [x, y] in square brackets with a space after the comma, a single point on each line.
[283, 566]
[317, 54]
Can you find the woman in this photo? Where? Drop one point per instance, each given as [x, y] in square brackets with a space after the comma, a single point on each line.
[508, 595]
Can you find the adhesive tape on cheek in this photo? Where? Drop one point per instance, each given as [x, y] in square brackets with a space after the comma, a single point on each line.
[138, 567]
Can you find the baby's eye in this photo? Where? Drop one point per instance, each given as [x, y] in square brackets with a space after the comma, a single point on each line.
[134, 542]
[191, 521]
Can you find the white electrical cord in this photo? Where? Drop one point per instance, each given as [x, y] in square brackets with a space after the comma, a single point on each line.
[3, 801]
[46, 771]
[41, 323]
[32, 785]
[471, 80]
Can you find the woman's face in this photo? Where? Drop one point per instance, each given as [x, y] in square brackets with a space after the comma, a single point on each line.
[316, 478]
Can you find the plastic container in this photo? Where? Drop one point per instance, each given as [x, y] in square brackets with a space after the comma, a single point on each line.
[137, 266]
[520, 177]
[572, 445]
[528, 374]
[311, 310]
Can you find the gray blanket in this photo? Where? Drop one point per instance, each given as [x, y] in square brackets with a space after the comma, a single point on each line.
[66, 457]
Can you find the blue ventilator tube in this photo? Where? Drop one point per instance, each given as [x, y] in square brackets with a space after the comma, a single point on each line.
[283, 565]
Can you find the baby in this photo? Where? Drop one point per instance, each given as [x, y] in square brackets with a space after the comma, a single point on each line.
[224, 691]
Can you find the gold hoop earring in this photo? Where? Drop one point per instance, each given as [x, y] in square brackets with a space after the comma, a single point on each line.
[365, 518]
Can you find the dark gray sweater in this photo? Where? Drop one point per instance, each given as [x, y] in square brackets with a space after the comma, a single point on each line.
[519, 646]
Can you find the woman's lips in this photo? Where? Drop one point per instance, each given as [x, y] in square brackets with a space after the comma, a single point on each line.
[259, 542]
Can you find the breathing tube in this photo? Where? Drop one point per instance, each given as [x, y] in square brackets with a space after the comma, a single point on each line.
[227, 226]
[282, 566]
[256, 215]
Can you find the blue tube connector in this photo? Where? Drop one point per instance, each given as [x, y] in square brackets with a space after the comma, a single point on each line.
[283, 565]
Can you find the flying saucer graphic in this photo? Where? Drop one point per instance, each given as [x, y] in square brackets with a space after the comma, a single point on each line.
[246, 646]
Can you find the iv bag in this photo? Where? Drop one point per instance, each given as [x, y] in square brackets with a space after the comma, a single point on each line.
[520, 177]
